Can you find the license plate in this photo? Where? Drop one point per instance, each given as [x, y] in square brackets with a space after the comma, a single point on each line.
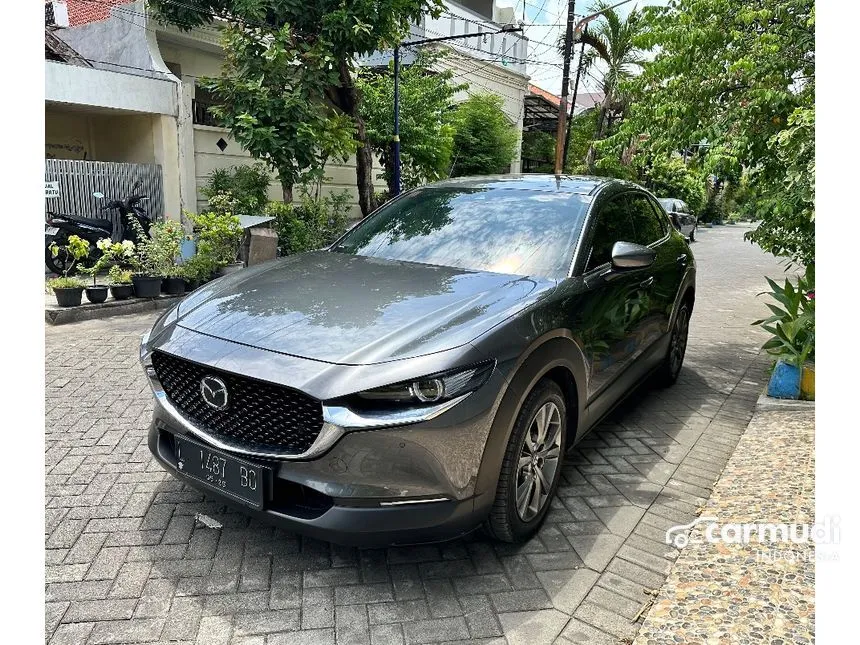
[222, 472]
[51, 230]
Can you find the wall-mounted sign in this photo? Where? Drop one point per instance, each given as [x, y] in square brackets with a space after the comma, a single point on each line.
[52, 189]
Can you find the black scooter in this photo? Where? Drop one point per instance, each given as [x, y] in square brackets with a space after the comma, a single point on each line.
[58, 228]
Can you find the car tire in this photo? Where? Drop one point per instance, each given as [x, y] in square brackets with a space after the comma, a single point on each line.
[671, 367]
[509, 520]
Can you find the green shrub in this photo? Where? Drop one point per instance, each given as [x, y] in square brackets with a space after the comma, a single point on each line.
[310, 223]
[671, 177]
[240, 189]
[218, 236]
[484, 139]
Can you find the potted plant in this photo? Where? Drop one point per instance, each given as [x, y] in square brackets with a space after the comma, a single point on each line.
[68, 290]
[147, 262]
[121, 287]
[792, 342]
[198, 269]
[219, 236]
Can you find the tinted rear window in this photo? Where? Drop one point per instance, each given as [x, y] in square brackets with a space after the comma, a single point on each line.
[516, 231]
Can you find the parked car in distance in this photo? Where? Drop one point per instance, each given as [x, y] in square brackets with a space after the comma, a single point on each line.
[427, 373]
[681, 216]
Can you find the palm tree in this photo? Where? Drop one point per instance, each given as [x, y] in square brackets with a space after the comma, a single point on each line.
[612, 41]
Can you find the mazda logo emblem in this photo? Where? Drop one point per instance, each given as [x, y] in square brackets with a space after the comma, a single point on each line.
[214, 392]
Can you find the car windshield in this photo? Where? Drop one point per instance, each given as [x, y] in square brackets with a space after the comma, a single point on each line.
[667, 204]
[515, 231]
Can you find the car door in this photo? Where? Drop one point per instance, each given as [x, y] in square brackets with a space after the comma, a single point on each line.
[660, 281]
[606, 317]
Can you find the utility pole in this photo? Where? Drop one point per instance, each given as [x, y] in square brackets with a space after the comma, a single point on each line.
[395, 140]
[573, 100]
[570, 34]
[565, 81]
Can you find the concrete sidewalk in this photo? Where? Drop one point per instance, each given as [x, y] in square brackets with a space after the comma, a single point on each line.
[720, 592]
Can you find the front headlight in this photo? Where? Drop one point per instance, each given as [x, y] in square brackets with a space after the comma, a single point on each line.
[433, 388]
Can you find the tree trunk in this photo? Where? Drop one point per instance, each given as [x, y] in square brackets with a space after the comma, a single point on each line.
[349, 102]
[287, 189]
[364, 169]
[599, 132]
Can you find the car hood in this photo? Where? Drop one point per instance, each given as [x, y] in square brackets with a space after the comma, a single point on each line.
[356, 310]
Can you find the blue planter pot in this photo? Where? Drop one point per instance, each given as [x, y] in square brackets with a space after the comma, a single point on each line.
[784, 382]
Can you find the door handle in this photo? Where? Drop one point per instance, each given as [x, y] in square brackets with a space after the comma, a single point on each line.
[647, 283]
[682, 259]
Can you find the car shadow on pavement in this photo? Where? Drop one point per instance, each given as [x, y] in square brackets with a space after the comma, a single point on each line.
[254, 578]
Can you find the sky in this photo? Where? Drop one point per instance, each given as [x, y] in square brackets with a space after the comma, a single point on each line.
[544, 22]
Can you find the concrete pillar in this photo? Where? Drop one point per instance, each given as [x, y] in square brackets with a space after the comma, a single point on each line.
[185, 130]
[166, 151]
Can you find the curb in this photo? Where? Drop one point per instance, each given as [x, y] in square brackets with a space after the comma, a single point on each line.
[56, 315]
[766, 403]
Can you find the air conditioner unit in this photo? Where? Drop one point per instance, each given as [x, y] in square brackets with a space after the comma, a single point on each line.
[56, 14]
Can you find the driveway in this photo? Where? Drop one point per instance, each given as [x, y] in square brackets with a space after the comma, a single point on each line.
[127, 562]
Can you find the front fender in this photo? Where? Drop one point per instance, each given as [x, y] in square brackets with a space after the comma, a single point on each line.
[553, 350]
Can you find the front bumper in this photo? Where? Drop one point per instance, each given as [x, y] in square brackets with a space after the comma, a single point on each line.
[352, 495]
[404, 484]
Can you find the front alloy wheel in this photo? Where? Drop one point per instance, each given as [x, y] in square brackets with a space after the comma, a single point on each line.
[677, 347]
[539, 457]
[531, 468]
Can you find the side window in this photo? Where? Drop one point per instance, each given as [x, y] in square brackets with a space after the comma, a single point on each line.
[613, 225]
[647, 227]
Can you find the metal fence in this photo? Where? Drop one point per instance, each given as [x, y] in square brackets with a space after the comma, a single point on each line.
[78, 180]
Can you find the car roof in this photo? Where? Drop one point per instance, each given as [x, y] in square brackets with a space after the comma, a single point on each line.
[574, 184]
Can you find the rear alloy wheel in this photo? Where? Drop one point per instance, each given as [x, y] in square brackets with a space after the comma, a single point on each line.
[674, 360]
[532, 465]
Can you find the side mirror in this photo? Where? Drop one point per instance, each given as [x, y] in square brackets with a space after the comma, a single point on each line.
[627, 255]
[98, 195]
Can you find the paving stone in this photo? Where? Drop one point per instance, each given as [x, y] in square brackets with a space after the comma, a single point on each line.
[480, 617]
[318, 608]
[309, 637]
[532, 627]
[582, 633]
[566, 588]
[72, 634]
[435, 630]
[267, 622]
[127, 631]
[94, 610]
[386, 635]
[351, 626]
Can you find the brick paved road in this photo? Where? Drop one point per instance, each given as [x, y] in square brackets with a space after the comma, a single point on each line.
[127, 563]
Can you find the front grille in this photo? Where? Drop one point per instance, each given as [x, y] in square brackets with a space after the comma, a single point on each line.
[259, 416]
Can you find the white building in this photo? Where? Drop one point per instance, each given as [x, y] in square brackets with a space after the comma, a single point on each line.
[137, 99]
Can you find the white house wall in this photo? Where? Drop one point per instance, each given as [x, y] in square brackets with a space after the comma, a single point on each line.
[207, 156]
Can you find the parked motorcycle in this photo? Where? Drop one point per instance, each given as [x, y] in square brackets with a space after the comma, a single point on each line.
[59, 226]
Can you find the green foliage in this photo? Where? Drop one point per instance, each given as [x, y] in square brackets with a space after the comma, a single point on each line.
[671, 177]
[426, 133]
[539, 148]
[118, 275]
[484, 139]
[287, 90]
[739, 75]
[65, 282]
[200, 267]
[311, 223]
[792, 325]
[582, 129]
[75, 248]
[241, 189]
[219, 235]
[165, 244]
